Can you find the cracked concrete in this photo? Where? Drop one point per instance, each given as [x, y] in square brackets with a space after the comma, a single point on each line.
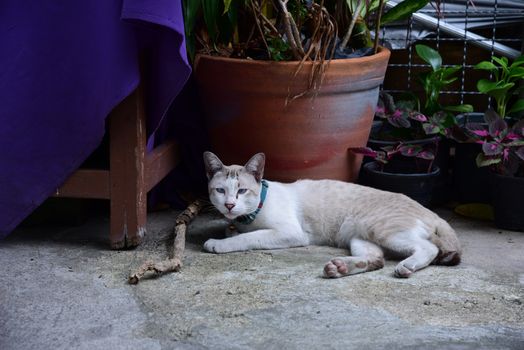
[63, 289]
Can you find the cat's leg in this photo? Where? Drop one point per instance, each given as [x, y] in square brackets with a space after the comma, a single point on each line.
[259, 239]
[420, 251]
[365, 256]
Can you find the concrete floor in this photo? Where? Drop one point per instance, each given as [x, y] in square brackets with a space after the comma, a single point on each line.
[61, 288]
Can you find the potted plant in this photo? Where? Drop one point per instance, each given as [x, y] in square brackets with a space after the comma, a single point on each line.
[399, 123]
[412, 121]
[503, 152]
[418, 127]
[415, 179]
[502, 87]
[285, 77]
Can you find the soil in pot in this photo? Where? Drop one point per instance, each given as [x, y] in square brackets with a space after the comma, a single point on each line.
[507, 194]
[418, 186]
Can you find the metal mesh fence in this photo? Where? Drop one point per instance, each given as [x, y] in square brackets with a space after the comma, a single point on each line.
[465, 33]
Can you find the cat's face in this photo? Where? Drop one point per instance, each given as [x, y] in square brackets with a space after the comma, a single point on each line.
[234, 190]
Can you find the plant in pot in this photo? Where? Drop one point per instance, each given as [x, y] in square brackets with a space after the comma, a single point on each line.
[502, 87]
[430, 116]
[415, 179]
[296, 79]
[503, 152]
[412, 123]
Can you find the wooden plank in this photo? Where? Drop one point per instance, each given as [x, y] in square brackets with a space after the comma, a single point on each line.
[127, 173]
[86, 183]
[159, 162]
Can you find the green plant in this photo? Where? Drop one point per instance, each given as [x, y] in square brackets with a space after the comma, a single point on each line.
[287, 29]
[435, 80]
[504, 83]
[440, 119]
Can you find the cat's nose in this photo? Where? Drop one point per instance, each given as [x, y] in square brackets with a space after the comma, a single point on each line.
[229, 206]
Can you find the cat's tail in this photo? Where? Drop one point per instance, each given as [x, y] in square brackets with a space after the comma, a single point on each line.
[448, 244]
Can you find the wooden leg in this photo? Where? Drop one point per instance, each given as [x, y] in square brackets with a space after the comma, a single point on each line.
[127, 173]
[131, 175]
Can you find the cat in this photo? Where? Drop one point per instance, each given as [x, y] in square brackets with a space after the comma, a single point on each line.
[367, 221]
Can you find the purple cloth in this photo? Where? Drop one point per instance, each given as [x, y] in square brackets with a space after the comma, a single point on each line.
[64, 65]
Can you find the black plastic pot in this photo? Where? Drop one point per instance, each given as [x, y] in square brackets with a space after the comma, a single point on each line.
[507, 194]
[442, 188]
[470, 183]
[418, 186]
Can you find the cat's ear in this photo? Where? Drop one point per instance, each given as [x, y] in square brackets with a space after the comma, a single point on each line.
[255, 166]
[212, 163]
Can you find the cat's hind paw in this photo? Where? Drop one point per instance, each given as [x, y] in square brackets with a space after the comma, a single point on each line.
[334, 269]
[340, 267]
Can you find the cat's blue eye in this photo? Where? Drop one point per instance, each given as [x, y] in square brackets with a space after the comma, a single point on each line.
[220, 190]
[242, 190]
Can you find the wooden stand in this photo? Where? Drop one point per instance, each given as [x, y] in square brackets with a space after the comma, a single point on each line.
[132, 173]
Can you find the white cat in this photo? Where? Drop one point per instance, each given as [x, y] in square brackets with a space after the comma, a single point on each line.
[326, 212]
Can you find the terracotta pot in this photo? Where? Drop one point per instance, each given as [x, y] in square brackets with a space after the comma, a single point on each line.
[244, 102]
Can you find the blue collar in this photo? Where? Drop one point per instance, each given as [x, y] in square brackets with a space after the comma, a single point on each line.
[249, 218]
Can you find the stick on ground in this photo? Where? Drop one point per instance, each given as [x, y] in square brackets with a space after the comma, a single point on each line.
[176, 255]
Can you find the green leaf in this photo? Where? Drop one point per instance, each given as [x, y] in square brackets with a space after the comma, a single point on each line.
[446, 72]
[353, 5]
[493, 88]
[373, 5]
[369, 6]
[191, 9]
[447, 82]
[465, 108]
[227, 3]
[518, 62]
[485, 85]
[211, 12]
[482, 160]
[517, 107]
[403, 10]
[516, 72]
[430, 56]
[519, 59]
[502, 61]
[486, 65]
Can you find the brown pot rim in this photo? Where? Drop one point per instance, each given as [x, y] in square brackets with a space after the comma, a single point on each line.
[382, 54]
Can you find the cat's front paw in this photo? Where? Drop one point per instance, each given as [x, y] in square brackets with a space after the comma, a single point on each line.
[214, 246]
